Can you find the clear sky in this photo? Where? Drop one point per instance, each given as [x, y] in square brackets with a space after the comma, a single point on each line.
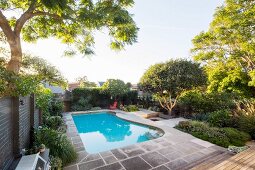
[166, 30]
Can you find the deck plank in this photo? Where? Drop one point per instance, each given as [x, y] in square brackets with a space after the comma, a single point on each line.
[242, 161]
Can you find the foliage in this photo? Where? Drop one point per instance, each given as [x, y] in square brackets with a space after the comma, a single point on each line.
[34, 71]
[130, 108]
[43, 98]
[167, 80]
[72, 21]
[236, 149]
[53, 122]
[130, 97]
[58, 144]
[236, 137]
[227, 48]
[95, 108]
[55, 163]
[197, 102]
[82, 104]
[220, 136]
[44, 71]
[220, 118]
[84, 83]
[56, 108]
[245, 112]
[115, 87]
[203, 131]
[94, 97]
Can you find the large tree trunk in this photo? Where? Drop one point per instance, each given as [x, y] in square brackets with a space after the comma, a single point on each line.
[16, 55]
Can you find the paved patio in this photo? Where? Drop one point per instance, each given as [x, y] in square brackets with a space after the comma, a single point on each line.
[174, 150]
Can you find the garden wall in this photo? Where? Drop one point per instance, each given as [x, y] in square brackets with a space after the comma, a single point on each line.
[15, 126]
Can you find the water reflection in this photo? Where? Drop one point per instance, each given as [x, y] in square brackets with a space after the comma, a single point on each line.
[101, 132]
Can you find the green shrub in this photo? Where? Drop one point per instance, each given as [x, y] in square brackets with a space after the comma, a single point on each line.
[95, 97]
[195, 102]
[54, 122]
[236, 137]
[55, 163]
[245, 111]
[130, 108]
[130, 98]
[56, 108]
[58, 144]
[219, 136]
[220, 118]
[95, 108]
[246, 123]
[82, 104]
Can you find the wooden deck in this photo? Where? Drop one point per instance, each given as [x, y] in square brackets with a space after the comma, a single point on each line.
[242, 161]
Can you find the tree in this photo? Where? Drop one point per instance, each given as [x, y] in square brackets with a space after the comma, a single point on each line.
[84, 83]
[227, 48]
[115, 87]
[167, 80]
[72, 21]
[34, 72]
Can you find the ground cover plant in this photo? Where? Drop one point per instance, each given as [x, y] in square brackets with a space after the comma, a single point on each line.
[220, 136]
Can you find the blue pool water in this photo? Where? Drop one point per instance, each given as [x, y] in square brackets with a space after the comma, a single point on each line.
[103, 131]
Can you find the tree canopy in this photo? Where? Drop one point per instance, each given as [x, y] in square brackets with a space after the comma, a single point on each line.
[85, 83]
[115, 87]
[227, 48]
[34, 71]
[167, 80]
[72, 21]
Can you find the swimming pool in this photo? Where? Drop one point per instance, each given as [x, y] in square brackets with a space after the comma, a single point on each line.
[104, 131]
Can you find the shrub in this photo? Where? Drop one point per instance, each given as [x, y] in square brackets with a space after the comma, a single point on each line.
[195, 103]
[130, 98]
[219, 136]
[55, 163]
[53, 122]
[83, 104]
[245, 111]
[95, 108]
[94, 96]
[236, 137]
[246, 123]
[56, 108]
[220, 118]
[58, 144]
[130, 108]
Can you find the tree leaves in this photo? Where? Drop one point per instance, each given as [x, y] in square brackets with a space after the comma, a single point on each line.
[74, 22]
[227, 48]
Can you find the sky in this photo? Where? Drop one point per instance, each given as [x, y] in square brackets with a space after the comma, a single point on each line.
[166, 30]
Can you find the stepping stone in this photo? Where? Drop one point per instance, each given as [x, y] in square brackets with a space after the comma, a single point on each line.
[154, 159]
[91, 157]
[119, 155]
[115, 166]
[161, 168]
[106, 153]
[91, 164]
[110, 159]
[135, 163]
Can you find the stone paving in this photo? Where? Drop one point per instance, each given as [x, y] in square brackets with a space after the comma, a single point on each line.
[172, 150]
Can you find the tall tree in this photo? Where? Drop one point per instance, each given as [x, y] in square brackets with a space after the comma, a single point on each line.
[72, 21]
[85, 83]
[34, 71]
[166, 81]
[115, 87]
[227, 48]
